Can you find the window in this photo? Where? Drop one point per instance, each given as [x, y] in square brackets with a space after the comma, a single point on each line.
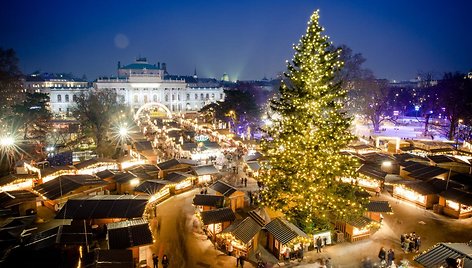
[166, 98]
[221, 96]
[201, 96]
[145, 98]
[136, 98]
[207, 96]
[173, 97]
[196, 96]
[188, 97]
[67, 97]
[178, 96]
[74, 98]
[60, 110]
[154, 98]
[59, 98]
[212, 96]
[122, 99]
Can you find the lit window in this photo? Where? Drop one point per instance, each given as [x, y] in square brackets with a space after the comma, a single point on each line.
[59, 98]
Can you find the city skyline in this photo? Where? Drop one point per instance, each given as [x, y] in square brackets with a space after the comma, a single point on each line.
[246, 40]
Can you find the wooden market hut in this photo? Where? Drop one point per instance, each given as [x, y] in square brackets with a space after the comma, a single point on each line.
[174, 165]
[355, 230]
[205, 173]
[102, 209]
[233, 197]
[376, 208]
[180, 182]
[414, 170]
[57, 191]
[51, 173]
[121, 258]
[134, 235]
[439, 253]
[280, 233]
[20, 202]
[205, 202]
[158, 190]
[215, 221]
[242, 234]
[95, 165]
[456, 203]
[421, 193]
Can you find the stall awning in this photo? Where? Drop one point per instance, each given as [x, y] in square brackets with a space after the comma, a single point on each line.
[243, 230]
[126, 234]
[436, 256]
[223, 188]
[218, 216]
[283, 230]
[379, 206]
[459, 196]
[208, 200]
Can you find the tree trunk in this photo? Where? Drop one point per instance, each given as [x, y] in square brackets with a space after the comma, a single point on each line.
[426, 124]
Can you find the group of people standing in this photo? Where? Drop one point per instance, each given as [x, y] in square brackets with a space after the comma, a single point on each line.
[386, 257]
[164, 261]
[410, 242]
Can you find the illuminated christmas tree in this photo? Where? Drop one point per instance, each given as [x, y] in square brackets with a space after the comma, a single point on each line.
[309, 129]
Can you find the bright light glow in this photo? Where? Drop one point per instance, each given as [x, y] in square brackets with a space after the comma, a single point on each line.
[134, 182]
[387, 164]
[123, 131]
[7, 141]
[409, 194]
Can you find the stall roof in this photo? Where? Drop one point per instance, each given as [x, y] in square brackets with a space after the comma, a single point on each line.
[174, 162]
[105, 174]
[217, 215]
[434, 186]
[176, 177]
[372, 171]
[360, 222]
[208, 200]
[13, 177]
[436, 256]
[254, 165]
[12, 198]
[93, 161]
[63, 234]
[143, 146]
[283, 230]
[205, 170]
[463, 179]
[376, 158]
[123, 177]
[424, 172]
[223, 188]
[379, 206]
[243, 230]
[103, 207]
[109, 258]
[252, 157]
[257, 218]
[404, 157]
[126, 234]
[459, 196]
[151, 186]
[51, 170]
[148, 168]
[65, 184]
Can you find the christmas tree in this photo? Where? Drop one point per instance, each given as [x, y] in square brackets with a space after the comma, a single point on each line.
[310, 127]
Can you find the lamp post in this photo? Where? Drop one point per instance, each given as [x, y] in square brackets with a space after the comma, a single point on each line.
[459, 122]
[7, 149]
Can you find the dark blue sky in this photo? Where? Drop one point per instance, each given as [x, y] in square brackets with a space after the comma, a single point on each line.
[246, 38]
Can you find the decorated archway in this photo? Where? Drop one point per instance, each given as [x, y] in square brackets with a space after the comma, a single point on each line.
[149, 105]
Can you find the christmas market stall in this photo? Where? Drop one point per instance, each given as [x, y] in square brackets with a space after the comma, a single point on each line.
[375, 209]
[357, 229]
[215, 221]
[56, 192]
[446, 255]
[233, 197]
[19, 202]
[51, 173]
[422, 193]
[95, 165]
[134, 235]
[242, 234]
[283, 237]
[173, 165]
[180, 182]
[370, 177]
[13, 182]
[419, 171]
[205, 202]
[124, 182]
[102, 209]
[456, 203]
[205, 173]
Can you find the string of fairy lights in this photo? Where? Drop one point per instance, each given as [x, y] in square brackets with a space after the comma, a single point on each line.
[306, 140]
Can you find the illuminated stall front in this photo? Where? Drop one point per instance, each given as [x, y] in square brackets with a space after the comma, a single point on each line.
[357, 229]
[456, 203]
[233, 197]
[14, 182]
[215, 221]
[242, 234]
[181, 182]
[205, 202]
[283, 236]
[375, 209]
[51, 173]
[95, 165]
[421, 193]
[205, 173]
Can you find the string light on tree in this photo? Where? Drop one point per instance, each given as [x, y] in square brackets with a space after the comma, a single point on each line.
[302, 179]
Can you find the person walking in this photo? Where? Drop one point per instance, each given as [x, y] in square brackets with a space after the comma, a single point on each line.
[382, 254]
[237, 258]
[417, 244]
[245, 182]
[241, 260]
[390, 257]
[155, 261]
[318, 244]
[165, 261]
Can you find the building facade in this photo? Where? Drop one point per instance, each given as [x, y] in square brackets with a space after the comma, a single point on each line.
[140, 83]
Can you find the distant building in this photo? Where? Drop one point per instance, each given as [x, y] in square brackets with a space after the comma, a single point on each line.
[140, 83]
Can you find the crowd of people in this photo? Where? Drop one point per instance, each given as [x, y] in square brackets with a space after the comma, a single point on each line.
[410, 242]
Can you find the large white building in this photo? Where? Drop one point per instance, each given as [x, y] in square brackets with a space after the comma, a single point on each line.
[140, 83]
[137, 84]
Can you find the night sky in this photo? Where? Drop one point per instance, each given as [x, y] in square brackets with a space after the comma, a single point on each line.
[248, 39]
